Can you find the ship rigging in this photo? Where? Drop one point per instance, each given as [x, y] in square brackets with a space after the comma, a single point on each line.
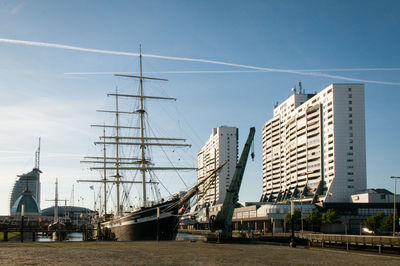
[116, 163]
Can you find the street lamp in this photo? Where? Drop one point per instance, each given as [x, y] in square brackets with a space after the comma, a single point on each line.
[394, 204]
[292, 241]
[22, 222]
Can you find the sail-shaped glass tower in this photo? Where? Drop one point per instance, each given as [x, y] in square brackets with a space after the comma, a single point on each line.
[30, 181]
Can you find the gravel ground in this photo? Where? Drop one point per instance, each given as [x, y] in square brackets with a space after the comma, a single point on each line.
[179, 253]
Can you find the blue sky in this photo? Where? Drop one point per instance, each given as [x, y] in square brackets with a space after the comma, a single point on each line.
[39, 99]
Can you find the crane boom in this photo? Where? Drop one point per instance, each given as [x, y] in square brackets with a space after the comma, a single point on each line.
[223, 220]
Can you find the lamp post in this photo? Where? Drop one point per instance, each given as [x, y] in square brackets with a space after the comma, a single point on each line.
[22, 222]
[292, 242]
[394, 204]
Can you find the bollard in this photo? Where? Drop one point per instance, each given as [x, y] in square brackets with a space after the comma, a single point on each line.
[5, 238]
[380, 249]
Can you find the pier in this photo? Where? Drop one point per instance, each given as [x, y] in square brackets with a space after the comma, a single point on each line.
[29, 230]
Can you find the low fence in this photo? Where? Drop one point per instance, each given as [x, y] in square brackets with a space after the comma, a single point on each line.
[352, 240]
[317, 238]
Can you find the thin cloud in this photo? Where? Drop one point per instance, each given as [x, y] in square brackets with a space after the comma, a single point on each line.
[18, 8]
[291, 71]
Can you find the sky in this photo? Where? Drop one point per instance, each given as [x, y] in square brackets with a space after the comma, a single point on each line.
[227, 63]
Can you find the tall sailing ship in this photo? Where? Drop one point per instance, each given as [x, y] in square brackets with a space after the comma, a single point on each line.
[153, 219]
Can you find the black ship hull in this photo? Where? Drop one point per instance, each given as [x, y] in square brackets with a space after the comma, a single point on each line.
[144, 224]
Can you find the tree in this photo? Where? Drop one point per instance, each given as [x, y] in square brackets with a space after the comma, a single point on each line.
[297, 218]
[387, 224]
[314, 218]
[331, 217]
[374, 222]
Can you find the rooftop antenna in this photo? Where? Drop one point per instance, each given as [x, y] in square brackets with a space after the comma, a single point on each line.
[37, 156]
[300, 89]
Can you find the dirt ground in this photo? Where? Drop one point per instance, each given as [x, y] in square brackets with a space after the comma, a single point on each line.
[179, 253]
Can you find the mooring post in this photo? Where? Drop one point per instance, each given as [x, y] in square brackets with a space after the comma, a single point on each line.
[158, 223]
[380, 249]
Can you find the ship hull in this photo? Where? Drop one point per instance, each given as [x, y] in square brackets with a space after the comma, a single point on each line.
[144, 225]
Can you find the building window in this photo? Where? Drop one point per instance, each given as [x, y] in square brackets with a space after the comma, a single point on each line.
[349, 160]
[350, 96]
[350, 121]
[350, 140]
[350, 102]
[351, 148]
[349, 89]
[350, 115]
[350, 186]
[350, 180]
[350, 109]
[350, 135]
[350, 173]
[350, 128]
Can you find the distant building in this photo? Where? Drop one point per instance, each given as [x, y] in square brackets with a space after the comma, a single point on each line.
[77, 216]
[30, 181]
[221, 146]
[260, 216]
[378, 195]
[314, 146]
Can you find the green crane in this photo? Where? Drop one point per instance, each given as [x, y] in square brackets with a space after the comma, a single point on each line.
[223, 220]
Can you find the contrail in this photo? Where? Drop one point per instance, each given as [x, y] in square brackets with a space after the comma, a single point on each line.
[167, 72]
[300, 72]
[67, 47]
[233, 71]
[76, 48]
[354, 69]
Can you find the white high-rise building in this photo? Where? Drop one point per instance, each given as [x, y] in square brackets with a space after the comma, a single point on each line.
[314, 146]
[221, 146]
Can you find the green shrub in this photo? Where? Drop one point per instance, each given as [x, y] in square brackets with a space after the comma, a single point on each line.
[331, 217]
[374, 222]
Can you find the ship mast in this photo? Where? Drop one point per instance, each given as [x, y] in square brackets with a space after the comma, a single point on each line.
[56, 203]
[117, 175]
[141, 112]
[105, 172]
